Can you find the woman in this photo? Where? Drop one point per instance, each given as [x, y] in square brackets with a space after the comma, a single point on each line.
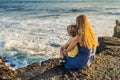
[87, 43]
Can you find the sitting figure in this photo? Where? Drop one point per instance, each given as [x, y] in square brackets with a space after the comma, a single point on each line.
[72, 30]
[117, 29]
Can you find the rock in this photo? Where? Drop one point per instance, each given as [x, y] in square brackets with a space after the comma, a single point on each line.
[0, 59]
[16, 79]
[108, 42]
[3, 70]
[13, 73]
[106, 77]
[21, 70]
[1, 79]
[36, 64]
[117, 29]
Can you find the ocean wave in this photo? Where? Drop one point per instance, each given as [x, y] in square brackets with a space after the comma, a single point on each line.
[55, 10]
[43, 1]
[112, 8]
[113, 13]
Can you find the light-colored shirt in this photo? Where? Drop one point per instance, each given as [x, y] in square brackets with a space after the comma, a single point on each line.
[74, 51]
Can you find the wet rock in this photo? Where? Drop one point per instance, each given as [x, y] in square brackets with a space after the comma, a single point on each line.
[21, 70]
[3, 70]
[36, 64]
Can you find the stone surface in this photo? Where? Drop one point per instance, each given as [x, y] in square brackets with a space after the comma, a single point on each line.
[105, 67]
[108, 42]
[3, 69]
[0, 59]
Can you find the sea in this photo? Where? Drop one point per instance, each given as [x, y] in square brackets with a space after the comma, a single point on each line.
[34, 30]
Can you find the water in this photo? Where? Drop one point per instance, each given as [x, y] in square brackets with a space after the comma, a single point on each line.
[34, 30]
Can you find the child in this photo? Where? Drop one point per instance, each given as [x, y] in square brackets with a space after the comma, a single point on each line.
[72, 30]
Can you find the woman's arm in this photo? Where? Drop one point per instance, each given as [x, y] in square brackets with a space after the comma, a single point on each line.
[66, 46]
[73, 43]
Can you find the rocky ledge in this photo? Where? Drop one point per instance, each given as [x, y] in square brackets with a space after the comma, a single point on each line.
[105, 67]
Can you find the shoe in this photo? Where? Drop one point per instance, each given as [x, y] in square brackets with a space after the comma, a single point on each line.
[61, 61]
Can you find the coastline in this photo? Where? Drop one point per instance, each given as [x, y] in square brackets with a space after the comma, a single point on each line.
[106, 65]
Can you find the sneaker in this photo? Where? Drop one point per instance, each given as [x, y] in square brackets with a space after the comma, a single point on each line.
[61, 61]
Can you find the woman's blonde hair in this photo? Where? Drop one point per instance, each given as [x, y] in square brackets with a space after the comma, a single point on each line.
[86, 35]
[72, 30]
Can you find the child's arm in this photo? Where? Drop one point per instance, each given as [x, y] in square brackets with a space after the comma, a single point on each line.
[63, 48]
[66, 45]
[73, 43]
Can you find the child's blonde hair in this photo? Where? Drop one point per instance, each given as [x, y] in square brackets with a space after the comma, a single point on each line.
[72, 30]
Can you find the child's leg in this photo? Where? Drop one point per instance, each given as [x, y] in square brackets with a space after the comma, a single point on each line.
[61, 53]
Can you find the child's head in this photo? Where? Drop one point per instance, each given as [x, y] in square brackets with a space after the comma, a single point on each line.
[72, 30]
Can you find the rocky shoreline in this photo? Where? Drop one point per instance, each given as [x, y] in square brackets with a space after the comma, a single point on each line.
[105, 67]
